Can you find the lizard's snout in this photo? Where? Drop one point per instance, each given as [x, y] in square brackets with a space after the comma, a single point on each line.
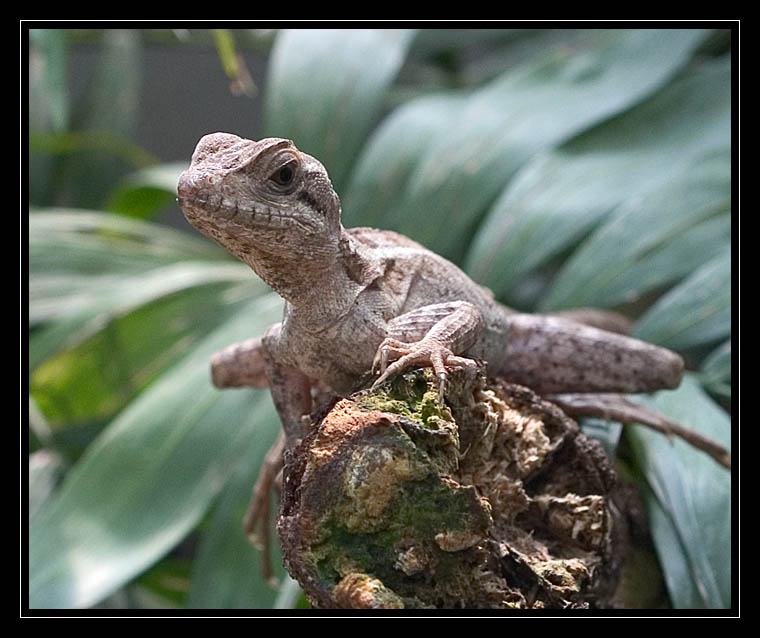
[192, 183]
[187, 188]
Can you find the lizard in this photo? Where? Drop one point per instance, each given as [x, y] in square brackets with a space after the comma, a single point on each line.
[362, 304]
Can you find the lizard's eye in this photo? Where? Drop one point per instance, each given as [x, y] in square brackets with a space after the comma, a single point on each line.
[285, 175]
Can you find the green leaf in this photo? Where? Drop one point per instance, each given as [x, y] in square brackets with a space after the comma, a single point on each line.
[696, 312]
[227, 570]
[650, 240]
[149, 477]
[114, 302]
[675, 561]
[86, 304]
[690, 500]
[165, 585]
[48, 62]
[82, 242]
[391, 156]
[88, 269]
[326, 87]
[110, 111]
[46, 468]
[472, 56]
[99, 366]
[48, 103]
[715, 372]
[605, 431]
[71, 143]
[146, 192]
[437, 42]
[291, 596]
[472, 148]
[119, 303]
[559, 196]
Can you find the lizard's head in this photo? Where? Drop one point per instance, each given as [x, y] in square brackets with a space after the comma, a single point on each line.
[261, 200]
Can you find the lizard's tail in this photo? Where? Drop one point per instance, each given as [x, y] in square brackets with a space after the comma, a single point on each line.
[553, 355]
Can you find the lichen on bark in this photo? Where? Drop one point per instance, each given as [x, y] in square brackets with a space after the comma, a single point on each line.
[491, 499]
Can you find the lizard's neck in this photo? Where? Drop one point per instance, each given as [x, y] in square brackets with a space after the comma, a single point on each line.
[324, 289]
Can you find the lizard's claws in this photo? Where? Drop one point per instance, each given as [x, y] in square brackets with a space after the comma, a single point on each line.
[423, 353]
[387, 348]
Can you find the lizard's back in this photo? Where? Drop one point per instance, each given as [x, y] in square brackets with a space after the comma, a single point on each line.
[401, 253]
[376, 238]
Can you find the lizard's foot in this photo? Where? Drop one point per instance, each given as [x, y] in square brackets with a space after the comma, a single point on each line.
[423, 353]
[258, 510]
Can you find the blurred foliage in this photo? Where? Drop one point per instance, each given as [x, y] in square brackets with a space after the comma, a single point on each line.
[560, 167]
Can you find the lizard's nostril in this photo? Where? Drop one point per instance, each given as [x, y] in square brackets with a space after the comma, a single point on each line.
[192, 183]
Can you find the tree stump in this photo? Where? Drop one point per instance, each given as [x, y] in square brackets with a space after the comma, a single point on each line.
[492, 499]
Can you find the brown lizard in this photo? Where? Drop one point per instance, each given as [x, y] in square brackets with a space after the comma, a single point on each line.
[361, 301]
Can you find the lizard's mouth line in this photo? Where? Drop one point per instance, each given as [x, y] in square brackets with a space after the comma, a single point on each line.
[211, 206]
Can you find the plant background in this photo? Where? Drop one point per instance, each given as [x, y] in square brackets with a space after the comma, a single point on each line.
[560, 167]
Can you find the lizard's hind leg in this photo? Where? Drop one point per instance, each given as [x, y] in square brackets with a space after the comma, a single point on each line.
[258, 514]
[585, 370]
[620, 408]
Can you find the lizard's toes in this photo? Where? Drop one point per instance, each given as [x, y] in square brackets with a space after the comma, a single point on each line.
[423, 353]
[415, 356]
[394, 368]
[387, 349]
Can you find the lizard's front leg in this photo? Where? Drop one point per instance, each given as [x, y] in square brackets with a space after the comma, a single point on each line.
[429, 336]
[290, 388]
[253, 363]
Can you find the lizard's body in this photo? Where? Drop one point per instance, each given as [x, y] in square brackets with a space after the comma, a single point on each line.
[406, 289]
[404, 277]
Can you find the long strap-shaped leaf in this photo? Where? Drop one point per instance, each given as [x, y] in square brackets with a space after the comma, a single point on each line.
[148, 478]
[690, 502]
[475, 142]
[559, 196]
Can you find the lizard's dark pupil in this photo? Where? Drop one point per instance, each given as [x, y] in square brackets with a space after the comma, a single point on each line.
[284, 175]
